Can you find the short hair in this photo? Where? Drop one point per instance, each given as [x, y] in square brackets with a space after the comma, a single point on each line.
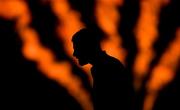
[86, 37]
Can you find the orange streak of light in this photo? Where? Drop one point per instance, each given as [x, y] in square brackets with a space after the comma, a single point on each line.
[70, 23]
[58, 71]
[164, 72]
[108, 19]
[44, 57]
[14, 8]
[146, 33]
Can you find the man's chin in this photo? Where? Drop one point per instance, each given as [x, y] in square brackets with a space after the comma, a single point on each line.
[82, 63]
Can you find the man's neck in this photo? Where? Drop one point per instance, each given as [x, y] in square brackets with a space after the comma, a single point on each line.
[97, 58]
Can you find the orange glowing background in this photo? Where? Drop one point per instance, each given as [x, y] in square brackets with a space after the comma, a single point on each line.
[107, 17]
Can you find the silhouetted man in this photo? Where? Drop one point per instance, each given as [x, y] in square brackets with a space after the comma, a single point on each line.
[112, 87]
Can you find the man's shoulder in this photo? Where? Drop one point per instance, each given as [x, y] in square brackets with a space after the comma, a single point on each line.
[108, 62]
[111, 61]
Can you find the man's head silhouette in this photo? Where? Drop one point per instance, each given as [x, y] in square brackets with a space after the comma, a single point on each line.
[86, 46]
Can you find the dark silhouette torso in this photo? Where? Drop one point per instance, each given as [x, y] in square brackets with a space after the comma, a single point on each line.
[112, 87]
